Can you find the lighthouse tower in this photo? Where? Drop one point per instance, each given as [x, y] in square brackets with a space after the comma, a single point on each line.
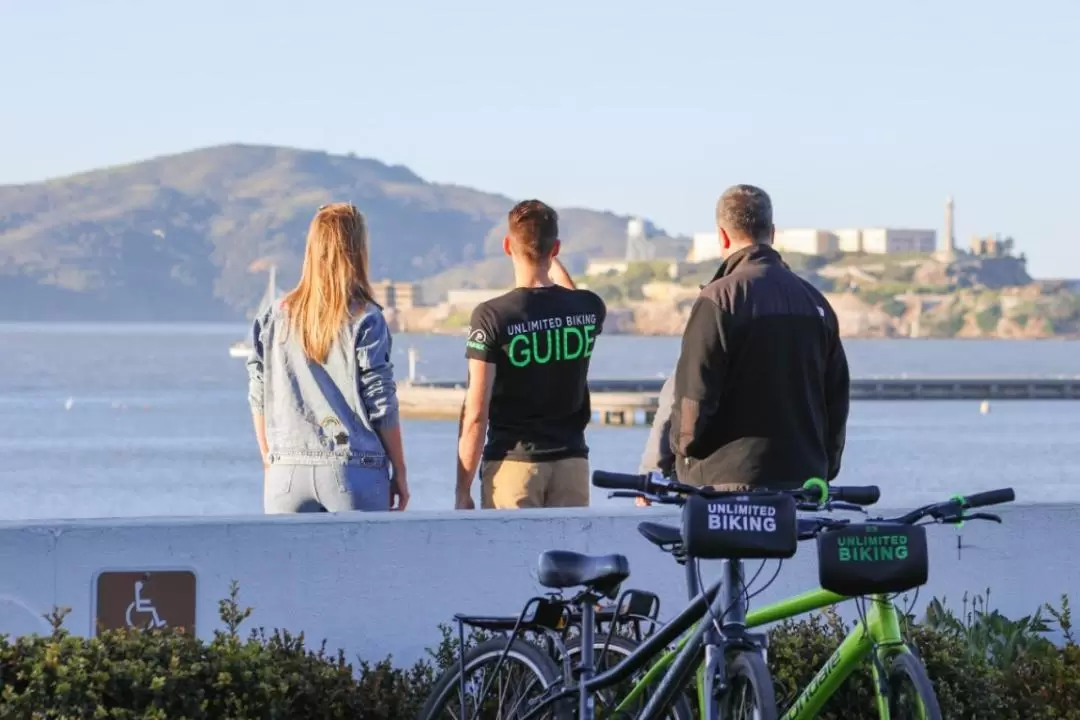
[948, 252]
[638, 247]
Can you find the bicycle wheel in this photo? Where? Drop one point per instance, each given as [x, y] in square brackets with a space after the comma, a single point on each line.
[750, 694]
[608, 699]
[911, 694]
[525, 675]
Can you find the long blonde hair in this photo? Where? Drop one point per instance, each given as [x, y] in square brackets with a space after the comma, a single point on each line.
[334, 280]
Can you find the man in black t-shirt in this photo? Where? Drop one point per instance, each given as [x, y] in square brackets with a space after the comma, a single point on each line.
[528, 352]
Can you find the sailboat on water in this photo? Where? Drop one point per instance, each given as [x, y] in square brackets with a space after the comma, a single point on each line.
[242, 348]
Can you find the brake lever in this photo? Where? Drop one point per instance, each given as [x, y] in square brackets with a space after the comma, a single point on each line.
[809, 528]
[830, 506]
[961, 518]
[841, 505]
[655, 499]
[983, 516]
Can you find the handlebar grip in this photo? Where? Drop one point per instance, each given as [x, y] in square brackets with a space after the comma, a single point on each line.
[990, 497]
[808, 528]
[856, 494]
[620, 481]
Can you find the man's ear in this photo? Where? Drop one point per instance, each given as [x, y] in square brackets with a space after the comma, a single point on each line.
[725, 239]
[772, 234]
[506, 244]
[555, 249]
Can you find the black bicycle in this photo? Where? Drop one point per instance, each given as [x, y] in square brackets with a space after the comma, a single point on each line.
[711, 632]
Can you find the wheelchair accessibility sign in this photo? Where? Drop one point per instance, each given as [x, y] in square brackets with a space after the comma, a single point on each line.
[146, 600]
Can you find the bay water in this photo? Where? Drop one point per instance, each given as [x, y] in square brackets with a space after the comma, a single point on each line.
[138, 420]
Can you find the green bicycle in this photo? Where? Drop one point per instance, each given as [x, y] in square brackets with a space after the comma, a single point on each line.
[875, 558]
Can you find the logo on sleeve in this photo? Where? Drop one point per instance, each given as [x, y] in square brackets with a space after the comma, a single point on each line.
[478, 340]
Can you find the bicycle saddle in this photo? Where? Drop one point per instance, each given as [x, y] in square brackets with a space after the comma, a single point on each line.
[660, 535]
[565, 569]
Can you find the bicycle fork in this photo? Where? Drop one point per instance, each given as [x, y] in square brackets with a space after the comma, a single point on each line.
[708, 642]
[715, 683]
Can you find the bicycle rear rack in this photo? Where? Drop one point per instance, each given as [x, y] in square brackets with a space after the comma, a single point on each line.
[555, 615]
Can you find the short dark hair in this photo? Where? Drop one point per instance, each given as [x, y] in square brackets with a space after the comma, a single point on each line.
[534, 229]
[746, 210]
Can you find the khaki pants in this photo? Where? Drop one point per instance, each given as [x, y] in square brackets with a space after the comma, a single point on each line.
[692, 475]
[508, 484]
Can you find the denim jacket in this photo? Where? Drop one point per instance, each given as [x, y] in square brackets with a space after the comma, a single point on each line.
[323, 414]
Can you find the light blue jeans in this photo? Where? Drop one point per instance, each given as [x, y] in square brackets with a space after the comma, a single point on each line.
[325, 488]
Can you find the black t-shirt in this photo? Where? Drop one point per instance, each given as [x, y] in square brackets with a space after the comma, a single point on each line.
[540, 341]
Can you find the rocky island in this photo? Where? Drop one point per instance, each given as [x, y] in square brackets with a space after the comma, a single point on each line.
[972, 296]
[189, 237]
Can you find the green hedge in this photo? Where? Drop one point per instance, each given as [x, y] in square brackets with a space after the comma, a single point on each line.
[983, 665]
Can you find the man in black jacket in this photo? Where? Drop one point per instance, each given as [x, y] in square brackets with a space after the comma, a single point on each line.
[761, 385]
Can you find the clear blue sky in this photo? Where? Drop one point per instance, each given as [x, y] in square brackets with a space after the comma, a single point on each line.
[849, 112]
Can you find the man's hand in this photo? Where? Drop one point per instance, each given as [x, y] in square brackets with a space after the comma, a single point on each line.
[399, 491]
[642, 502]
[560, 277]
[464, 501]
[474, 417]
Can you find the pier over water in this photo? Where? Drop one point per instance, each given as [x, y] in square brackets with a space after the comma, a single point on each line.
[634, 401]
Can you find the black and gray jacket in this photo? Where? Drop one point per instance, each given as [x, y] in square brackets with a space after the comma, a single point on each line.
[761, 386]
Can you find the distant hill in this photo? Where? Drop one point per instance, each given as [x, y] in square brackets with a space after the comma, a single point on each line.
[173, 238]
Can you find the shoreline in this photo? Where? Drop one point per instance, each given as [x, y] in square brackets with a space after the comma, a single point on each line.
[234, 327]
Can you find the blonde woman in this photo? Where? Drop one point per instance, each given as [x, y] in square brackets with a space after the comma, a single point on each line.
[321, 384]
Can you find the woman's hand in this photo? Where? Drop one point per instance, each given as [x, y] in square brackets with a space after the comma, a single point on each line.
[399, 490]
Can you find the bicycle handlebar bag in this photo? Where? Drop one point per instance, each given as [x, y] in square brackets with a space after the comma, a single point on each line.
[740, 527]
[873, 558]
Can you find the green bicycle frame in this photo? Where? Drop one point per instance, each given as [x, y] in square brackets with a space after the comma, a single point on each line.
[881, 630]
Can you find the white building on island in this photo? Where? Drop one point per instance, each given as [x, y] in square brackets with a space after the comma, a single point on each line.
[815, 241]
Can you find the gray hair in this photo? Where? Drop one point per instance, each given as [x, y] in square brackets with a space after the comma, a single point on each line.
[746, 210]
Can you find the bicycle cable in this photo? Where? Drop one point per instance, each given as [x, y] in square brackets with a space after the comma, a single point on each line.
[746, 586]
[717, 622]
[747, 596]
[766, 586]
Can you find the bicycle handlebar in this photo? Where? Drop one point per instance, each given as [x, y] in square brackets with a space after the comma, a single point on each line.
[990, 497]
[855, 494]
[661, 490]
[953, 510]
[621, 481]
[950, 512]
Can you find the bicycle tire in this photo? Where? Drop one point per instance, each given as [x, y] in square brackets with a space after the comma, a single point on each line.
[444, 693]
[906, 666]
[625, 647]
[750, 668]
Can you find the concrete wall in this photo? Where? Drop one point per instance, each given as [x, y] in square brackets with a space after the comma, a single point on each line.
[376, 585]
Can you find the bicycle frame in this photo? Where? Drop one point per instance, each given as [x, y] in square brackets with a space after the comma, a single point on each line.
[686, 656]
[877, 633]
[881, 633]
[675, 665]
